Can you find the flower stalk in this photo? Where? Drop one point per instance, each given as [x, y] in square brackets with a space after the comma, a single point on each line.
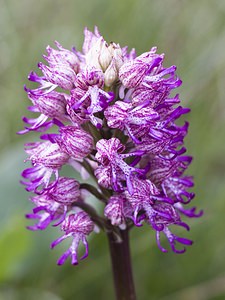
[121, 265]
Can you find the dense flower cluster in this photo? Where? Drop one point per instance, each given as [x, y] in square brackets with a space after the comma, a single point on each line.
[115, 119]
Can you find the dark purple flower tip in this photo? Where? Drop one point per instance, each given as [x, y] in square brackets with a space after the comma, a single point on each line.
[176, 250]
[32, 216]
[64, 257]
[35, 78]
[51, 137]
[184, 241]
[184, 225]
[99, 126]
[173, 239]
[39, 208]
[191, 212]
[39, 124]
[158, 242]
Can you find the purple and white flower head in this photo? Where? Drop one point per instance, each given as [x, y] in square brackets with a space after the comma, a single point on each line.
[114, 119]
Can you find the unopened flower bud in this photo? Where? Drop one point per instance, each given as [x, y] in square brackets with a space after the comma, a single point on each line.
[111, 74]
[108, 58]
[92, 57]
[111, 60]
[117, 54]
[105, 56]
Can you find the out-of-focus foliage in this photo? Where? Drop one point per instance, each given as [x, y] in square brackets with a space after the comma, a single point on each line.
[192, 35]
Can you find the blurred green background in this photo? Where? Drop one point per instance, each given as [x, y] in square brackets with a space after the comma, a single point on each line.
[192, 35]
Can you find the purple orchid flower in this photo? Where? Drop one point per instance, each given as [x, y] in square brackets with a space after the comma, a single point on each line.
[113, 118]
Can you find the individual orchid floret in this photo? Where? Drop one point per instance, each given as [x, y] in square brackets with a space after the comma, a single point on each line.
[60, 75]
[162, 169]
[88, 96]
[77, 226]
[114, 210]
[52, 104]
[74, 141]
[47, 158]
[134, 120]
[189, 212]
[109, 154]
[172, 238]
[44, 85]
[144, 194]
[46, 211]
[176, 188]
[133, 72]
[53, 203]
[146, 200]
[164, 137]
[65, 190]
[171, 80]
[47, 154]
[90, 39]
[62, 56]
[160, 215]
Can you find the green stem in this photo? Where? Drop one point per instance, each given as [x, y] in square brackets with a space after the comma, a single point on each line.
[88, 168]
[90, 188]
